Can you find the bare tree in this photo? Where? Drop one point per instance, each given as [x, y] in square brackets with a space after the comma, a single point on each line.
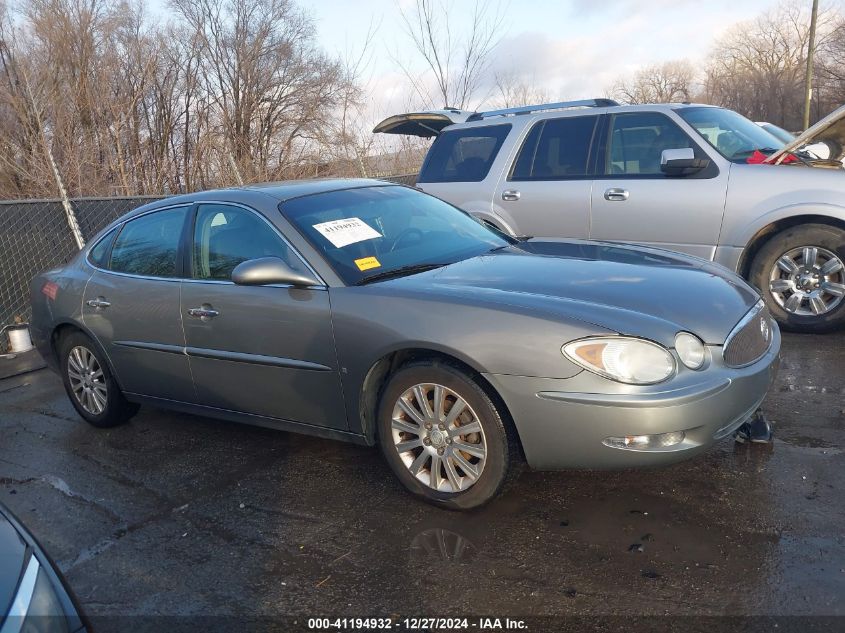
[513, 89]
[758, 67]
[669, 82]
[345, 140]
[454, 61]
[829, 85]
[265, 77]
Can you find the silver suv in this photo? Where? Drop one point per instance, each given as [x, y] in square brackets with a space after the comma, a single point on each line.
[692, 178]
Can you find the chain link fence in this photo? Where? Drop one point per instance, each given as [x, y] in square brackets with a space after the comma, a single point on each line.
[35, 236]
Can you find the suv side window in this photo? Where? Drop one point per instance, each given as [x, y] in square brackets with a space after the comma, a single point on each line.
[149, 245]
[637, 140]
[225, 236]
[556, 149]
[463, 155]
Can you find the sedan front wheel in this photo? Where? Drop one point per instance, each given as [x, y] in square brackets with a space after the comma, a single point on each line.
[444, 437]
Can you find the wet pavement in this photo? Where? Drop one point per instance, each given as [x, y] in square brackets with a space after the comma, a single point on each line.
[182, 515]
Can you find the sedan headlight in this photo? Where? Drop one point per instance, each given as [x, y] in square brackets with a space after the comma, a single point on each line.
[630, 360]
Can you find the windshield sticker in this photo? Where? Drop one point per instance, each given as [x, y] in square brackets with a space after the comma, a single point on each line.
[365, 263]
[347, 231]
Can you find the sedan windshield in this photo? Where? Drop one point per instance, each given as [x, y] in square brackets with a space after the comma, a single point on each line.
[734, 137]
[378, 232]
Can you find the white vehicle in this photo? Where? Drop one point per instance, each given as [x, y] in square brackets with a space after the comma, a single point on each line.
[816, 150]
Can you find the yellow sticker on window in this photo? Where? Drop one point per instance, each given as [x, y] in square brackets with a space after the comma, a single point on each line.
[365, 263]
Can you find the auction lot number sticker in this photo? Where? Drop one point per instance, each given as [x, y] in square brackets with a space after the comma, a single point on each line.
[417, 624]
[346, 231]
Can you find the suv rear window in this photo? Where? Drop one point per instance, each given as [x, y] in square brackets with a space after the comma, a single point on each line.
[463, 155]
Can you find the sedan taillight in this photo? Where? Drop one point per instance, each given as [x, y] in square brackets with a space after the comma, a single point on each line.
[50, 290]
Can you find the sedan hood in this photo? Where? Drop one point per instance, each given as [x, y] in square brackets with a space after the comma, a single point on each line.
[630, 290]
[12, 553]
[830, 131]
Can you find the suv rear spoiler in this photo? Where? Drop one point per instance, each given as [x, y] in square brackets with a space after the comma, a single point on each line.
[432, 122]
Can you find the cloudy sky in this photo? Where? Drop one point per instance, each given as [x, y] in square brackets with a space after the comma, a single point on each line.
[571, 48]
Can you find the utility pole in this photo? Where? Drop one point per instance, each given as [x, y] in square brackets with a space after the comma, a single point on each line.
[811, 45]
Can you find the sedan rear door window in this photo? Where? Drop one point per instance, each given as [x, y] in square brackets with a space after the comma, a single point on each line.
[463, 155]
[149, 245]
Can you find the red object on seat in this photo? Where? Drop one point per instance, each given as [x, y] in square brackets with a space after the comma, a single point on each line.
[759, 157]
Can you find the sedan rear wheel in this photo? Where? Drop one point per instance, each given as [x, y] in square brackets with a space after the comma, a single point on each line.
[89, 383]
[87, 380]
[444, 437]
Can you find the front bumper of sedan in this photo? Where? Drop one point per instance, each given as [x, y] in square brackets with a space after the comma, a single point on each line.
[565, 423]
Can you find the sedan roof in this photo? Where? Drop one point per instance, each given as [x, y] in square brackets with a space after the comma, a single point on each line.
[288, 189]
[280, 191]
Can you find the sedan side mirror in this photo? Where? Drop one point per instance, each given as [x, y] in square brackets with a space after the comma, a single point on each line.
[266, 271]
[681, 162]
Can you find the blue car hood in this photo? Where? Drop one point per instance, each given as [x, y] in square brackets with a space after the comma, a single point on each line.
[12, 555]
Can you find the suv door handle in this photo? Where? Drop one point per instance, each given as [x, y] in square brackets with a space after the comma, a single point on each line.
[99, 303]
[615, 194]
[204, 312]
[511, 195]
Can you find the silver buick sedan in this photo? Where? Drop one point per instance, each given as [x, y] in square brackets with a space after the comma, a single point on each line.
[374, 313]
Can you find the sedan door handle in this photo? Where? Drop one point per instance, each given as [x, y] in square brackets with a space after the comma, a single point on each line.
[615, 194]
[204, 312]
[511, 195]
[99, 303]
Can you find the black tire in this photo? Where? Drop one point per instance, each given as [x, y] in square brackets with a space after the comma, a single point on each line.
[116, 409]
[822, 236]
[502, 462]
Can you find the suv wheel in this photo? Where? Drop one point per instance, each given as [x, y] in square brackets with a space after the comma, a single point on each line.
[444, 437]
[801, 275]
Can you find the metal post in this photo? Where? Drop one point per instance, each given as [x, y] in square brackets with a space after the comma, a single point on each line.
[72, 222]
[69, 213]
[811, 45]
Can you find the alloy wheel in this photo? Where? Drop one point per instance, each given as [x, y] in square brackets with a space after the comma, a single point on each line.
[439, 437]
[808, 281]
[87, 381]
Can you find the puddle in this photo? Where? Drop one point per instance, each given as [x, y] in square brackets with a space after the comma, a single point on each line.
[807, 441]
[438, 544]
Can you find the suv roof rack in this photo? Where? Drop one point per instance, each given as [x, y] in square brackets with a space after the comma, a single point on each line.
[561, 105]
